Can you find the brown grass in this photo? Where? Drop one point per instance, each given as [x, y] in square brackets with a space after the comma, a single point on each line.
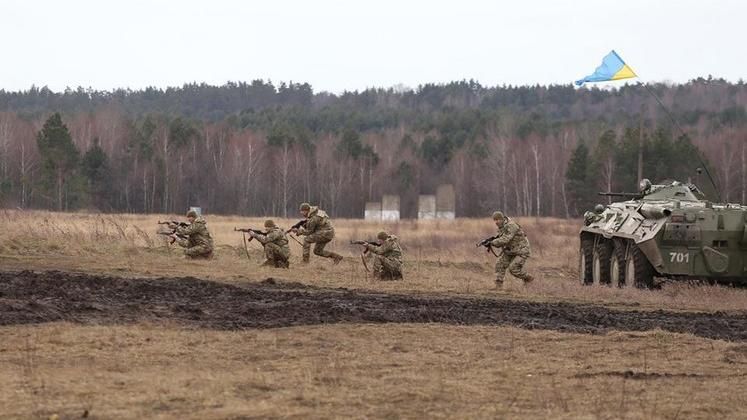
[361, 371]
[440, 257]
[366, 371]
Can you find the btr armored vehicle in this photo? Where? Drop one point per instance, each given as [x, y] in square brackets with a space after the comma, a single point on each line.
[664, 231]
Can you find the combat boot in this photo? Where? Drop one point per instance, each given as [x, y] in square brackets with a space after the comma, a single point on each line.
[499, 284]
[528, 279]
[336, 259]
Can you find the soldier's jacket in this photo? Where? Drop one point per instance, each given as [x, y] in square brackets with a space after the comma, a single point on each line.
[591, 217]
[275, 236]
[317, 222]
[389, 249]
[512, 239]
[197, 234]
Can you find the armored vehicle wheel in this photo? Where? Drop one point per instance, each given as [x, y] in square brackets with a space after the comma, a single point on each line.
[584, 261]
[600, 261]
[638, 271]
[617, 263]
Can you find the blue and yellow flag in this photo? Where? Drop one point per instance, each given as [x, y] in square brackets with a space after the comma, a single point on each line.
[612, 68]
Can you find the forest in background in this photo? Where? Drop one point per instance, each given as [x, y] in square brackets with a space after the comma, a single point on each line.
[261, 148]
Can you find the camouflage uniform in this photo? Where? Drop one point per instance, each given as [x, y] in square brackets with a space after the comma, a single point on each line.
[276, 247]
[196, 239]
[387, 263]
[594, 216]
[318, 231]
[516, 251]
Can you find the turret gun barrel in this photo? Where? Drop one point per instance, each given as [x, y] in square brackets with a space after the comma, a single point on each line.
[621, 194]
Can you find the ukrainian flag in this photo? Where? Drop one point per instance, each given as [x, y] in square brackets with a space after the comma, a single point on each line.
[612, 68]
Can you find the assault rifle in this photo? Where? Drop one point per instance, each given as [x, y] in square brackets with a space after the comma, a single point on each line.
[364, 243]
[173, 225]
[300, 224]
[174, 222]
[247, 230]
[364, 254]
[488, 243]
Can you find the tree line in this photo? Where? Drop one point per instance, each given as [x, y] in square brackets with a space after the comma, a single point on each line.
[260, 149]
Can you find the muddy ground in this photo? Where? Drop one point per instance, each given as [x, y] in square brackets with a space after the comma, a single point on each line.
[35, 297]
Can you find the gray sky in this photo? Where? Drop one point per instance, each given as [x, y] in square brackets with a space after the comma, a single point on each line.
[339, 45]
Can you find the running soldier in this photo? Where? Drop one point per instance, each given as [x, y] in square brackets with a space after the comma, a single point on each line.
[195, 237]
[516, 249]
[276, 246]
[317, 230]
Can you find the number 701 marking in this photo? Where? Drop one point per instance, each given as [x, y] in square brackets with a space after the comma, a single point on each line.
[679, 257]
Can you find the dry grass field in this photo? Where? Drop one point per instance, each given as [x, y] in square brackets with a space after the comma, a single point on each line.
[165, 368]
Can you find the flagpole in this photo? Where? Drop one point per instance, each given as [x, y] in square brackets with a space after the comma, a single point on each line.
[682, 132]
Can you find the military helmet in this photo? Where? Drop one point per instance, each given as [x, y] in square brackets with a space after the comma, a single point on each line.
[269, 223]
[599, 208]
[498, 215]
[305, 207]
[192, 213]
[383, 236]
[644, 185]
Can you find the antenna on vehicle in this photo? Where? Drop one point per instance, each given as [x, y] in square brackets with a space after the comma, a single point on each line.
[682, 132]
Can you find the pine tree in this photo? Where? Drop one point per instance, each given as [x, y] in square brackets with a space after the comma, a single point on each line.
[97, 172]
[59, 158]
[578, 182]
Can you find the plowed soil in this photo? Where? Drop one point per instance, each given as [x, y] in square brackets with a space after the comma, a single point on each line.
[36, 297]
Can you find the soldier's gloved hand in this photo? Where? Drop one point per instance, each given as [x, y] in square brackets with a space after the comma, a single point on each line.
[294, 231]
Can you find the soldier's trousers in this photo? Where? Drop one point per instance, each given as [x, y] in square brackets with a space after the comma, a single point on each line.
[386, 268]
[514, 264]
[320, 240]
[276, 255]
[199, 251]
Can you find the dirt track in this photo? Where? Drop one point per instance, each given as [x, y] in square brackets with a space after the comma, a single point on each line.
[28, 297]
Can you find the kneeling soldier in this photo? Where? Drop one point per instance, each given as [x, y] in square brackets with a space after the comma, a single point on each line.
[195, 237]
[276, 246]
[387, 263]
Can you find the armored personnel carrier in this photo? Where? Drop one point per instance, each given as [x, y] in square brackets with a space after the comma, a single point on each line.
[668, 231]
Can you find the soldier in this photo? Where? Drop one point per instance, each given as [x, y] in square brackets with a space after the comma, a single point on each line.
[318, 230]
[387, 263]
[195, 237]
[516, 249]
[595, 216]
[276, 246]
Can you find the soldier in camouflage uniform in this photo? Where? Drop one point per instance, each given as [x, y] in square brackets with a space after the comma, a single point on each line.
[318, 230]
[276, 246]
[595, 216]
[387, 263]
[516, 249]
[195, 237]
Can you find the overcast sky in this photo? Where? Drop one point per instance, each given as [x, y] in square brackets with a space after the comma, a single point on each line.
[348, 45]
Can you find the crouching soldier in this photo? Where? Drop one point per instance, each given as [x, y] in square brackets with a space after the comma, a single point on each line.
[195, 237]
[317, 230]
[276, 246]
[516, 249]
[387, 257]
